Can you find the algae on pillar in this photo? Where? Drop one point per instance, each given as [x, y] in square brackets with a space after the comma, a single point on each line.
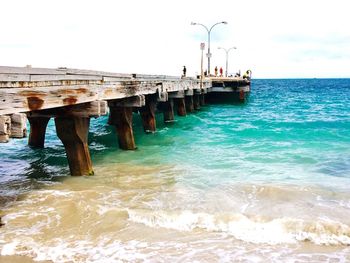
[73, 132]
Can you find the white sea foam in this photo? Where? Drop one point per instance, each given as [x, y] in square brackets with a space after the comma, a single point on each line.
[80, 251]
[249, 229]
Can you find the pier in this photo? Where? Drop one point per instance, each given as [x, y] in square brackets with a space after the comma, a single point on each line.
[73, 96]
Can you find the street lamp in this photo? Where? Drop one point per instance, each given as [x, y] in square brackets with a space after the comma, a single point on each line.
[226, 51]
[208, 30]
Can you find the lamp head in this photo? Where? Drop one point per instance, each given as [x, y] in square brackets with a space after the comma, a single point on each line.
[224, 22]
[193, 23]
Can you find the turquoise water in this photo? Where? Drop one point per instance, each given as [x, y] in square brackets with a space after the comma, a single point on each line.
[265, 178]
[290, 131]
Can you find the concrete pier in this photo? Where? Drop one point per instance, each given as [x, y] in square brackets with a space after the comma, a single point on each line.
[73, 96]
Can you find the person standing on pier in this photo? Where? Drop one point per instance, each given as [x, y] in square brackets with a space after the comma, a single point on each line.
[184, 71]
[221, 71]
[247, 75]
[216, 71]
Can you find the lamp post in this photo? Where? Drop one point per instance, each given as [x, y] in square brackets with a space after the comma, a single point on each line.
[208, 30]
[226, 51]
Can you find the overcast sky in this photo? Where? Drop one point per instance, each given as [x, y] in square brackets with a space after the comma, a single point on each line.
[274, 38]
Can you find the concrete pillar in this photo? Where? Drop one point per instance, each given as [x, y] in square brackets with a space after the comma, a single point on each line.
[168, 110]
[148, 116]
[37, 131]
[5, 128]
[196, 102]
[241, 96]
[202, 99]
[189, 104]
[18, 125]
[121, 118]
[73, 132]
[181, 106]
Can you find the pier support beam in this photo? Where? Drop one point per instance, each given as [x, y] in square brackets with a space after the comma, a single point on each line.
[18, 125]
[189, 100]
[202, 99]
[168, 110]
[73, 132]
[148, 115]
[241, 95]
[5, 128]
[37, 131]
[121, 118]
[38, 119]
[196, 101]
[181, 106]
[189, 103]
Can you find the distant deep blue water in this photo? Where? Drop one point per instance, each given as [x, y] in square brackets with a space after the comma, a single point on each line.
[282, 155]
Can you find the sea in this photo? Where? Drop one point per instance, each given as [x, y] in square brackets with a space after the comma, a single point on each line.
[267, 180]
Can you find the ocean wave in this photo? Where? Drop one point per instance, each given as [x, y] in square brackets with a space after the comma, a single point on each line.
[321, 231]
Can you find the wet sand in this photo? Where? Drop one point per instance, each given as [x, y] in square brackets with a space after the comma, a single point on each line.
[19, 259]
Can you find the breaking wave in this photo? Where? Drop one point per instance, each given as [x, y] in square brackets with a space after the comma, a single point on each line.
[322, 231]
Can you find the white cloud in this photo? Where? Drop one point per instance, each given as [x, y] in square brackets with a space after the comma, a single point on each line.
[273, 38]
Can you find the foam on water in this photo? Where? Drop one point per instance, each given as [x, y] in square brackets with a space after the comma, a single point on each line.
[255, 230]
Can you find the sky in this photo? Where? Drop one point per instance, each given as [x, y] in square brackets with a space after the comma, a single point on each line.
[274, 38]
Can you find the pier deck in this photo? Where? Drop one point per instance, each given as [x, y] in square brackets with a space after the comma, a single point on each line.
[73, 96]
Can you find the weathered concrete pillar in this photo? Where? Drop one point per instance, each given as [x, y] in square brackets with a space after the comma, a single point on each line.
[73, 132]
[5, 128]
[189, 103]
[181, 106]
[18, 125]
[121, 118]
[196, 101]
[37, 131]
[148, 115]
[168, 110]
[241, 95]
[202, 99]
